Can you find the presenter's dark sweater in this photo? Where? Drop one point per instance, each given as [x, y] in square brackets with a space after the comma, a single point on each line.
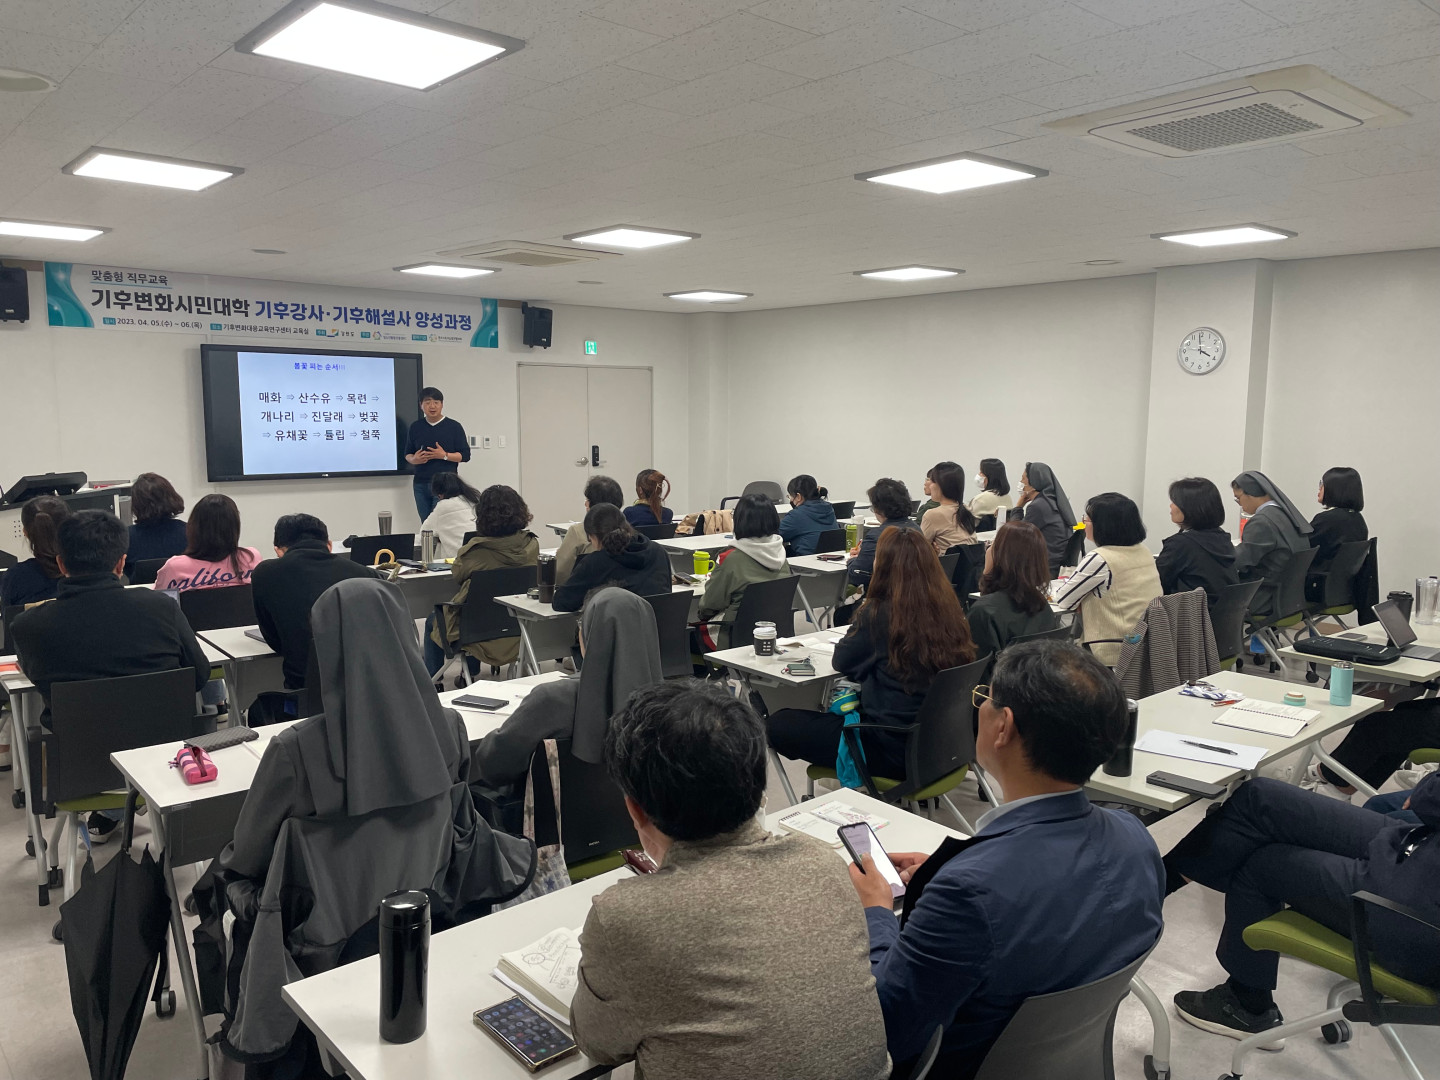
[285, 589]
[451, 437]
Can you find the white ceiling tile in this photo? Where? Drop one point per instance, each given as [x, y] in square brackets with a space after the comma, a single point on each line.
[78, 20]
[826, 16]
[250, 64]
[725, 123]
[583, 42]
[14, 108]
[431, 149]
[667, 18]
[862, 43]
[280, 124]
[618, 122]
[723, 89]
[1394, 48]
[53, 57]
[517, 18]
[1052, 30]
[966, 118]
[975, 15]
[494, 88]
[599, 89]
[493, 127]
[1333, 31]
[842, 123]
[1137, 12]
[732, 40]
[342, 95]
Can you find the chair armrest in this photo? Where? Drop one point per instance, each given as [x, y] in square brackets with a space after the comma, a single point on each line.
[1379, 1012]
[899, 729]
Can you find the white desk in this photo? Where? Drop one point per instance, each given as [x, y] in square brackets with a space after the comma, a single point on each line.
[826, 583]
[1195, 718]
[423, 589]
[1405, 670]
[547, 634]
[342, 1007]
[560, 527]
[480, 722]
[250, 665]
[26, 705]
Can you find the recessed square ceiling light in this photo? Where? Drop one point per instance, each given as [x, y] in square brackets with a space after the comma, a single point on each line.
[375, 41]
[446, 270]
[940, 176]
[709, 296]
[45, 230]
[1249, 233]
[632, 236]
[132, 168]
[909, 273]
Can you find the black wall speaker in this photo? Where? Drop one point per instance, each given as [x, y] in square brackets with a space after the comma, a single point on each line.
[15, 297]
[537, 325]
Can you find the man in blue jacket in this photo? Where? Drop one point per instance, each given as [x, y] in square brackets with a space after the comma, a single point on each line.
[1051, 893]
[1272, 846]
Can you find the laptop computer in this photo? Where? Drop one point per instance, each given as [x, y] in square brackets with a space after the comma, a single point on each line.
[1400, 633]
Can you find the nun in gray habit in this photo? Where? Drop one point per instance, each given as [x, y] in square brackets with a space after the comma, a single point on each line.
[622, 653]
[1274, 533]
[1049, 512]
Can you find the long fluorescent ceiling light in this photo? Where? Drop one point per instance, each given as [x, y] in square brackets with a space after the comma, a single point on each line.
[709, 296]
[375, 41]
[100, 163]
[45, 230]
[909, 273]
[446, 270]
[941, 176]
[637, 237]
[1249, 233]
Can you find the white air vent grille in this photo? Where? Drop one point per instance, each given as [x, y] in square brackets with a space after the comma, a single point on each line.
[1230, 127]
[1259, 110]
[525, 253]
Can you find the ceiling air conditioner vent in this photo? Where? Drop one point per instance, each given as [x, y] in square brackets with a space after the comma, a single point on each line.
[525, 253]
[1259, 110]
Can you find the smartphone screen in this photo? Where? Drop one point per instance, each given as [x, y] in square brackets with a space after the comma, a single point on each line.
[525, 1033]
[472, 701]
[860, 839]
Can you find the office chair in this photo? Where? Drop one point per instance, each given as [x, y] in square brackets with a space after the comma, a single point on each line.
[764, 601]
[1331, 593]
[481, 619]
[1287, 608]
[594, 825]
[363, 549]
[968, 568]
[830, 540]
[216, 609]
[145, 571]
[7, 560]
[657, 532]
[985, 523]
[948, 562]
[1075, 548]
[1227, 620]
[843, 510]
[672, 623]
[768, 488]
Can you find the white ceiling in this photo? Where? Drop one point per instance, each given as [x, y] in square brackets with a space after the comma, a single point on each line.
[742, 121]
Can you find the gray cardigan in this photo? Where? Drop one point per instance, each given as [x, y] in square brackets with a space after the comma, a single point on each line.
[1266, 545]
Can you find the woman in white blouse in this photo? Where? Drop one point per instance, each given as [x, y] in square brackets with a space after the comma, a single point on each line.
[1113, 584]
[454, 513]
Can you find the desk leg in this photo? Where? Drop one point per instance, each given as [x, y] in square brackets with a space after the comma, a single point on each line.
[182, 948]
[810, 611]
[231, 669]
[527, 650]
[20, 756]
[774, 757]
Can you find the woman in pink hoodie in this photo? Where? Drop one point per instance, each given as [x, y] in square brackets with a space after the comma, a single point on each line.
[213, 557]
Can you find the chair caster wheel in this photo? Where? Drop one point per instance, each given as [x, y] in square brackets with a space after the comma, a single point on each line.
[30, 848]
[1338, 1032]
[17, 800]
[57, 878]
[57, 932]
[165, 1004]
[1229, 1076]
[1311, 677]
[44, 895]
[1152, 1073]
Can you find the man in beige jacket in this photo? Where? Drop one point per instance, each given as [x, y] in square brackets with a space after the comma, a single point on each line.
[598, 489]
[744, 956]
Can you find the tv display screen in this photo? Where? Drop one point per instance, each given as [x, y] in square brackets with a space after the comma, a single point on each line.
[299, 414]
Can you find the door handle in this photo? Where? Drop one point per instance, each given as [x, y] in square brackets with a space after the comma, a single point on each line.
[583, 462]
[595, 456]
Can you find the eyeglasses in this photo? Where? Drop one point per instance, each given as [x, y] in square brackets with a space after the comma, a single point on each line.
[979, 694]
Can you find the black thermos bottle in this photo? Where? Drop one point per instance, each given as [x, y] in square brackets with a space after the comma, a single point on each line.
[1119, 763]
[404, 960]
[545, 575]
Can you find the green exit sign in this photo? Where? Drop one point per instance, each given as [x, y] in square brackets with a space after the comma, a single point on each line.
[592, 348]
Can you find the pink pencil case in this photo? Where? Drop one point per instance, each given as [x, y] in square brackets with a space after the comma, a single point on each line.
[195, 766]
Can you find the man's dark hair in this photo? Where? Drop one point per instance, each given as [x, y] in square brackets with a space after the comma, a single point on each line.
[431, 392]
[1199, 503]
[92, 542]
[691, 755]
[755, 516]
[1069, 708]
[602, 489]
[292, 528]
[1115, 520]
[501, 511]
[890, 499]
[1341, 487]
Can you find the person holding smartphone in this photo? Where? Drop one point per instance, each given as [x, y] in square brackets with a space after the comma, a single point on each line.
[1051, 893]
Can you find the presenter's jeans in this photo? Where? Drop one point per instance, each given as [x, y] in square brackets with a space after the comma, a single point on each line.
[1272, 845]
[424, 500]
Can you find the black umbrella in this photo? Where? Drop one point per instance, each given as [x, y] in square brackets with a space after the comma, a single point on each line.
[114, 930]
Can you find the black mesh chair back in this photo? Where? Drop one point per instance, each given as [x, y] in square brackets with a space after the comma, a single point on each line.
[968, 568]
[914, 507]
[7, 617]
[1068, 1033]
[1060, 633]
[145, 571]
[948, 562]
[1335, 587]
[215, 609]
[98, 717]
[672, 623]
[1227, 618]
[764, 601]
[843, 509]
[481, 619]
[985, 523]
[830, 540]
[592, 808]
[468, 537]
[1288, 591]
[657, 532]
[1075, 549]
[363, 549]
[944, 737]
[767, 488]
[7, 560]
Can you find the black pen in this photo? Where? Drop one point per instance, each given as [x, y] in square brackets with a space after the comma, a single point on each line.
[1207, 746]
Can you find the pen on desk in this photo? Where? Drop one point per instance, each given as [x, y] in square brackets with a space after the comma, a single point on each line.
[1207, 746]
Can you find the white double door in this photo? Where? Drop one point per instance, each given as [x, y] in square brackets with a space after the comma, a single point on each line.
[576, 421]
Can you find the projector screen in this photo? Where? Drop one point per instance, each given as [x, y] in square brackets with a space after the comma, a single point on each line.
[285, 414]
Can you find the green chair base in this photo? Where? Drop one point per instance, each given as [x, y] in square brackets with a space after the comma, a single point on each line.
[1341, 609]
[1425, 757]
[1291, 934]
[883, 784]
[601, 864]
[105, 800]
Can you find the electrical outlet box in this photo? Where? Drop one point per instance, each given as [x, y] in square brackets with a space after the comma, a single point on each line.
[485, 442]
[473, 441]
[502, 442]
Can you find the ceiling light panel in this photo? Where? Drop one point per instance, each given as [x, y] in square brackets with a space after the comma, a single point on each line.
[375, 41]
[446, 271]
[709, 296]
[636, 237]
[941, 176]
[99, 163]
[44, 230]
[909, 273]
[1225, 234]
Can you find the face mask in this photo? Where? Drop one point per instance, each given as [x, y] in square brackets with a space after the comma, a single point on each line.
[980, 481]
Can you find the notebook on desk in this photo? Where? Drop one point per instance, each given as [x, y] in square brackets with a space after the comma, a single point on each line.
[545, 972]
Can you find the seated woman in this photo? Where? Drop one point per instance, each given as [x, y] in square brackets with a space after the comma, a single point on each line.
[500, 518]
[758, 555]
[1275, 531]
[890, 503]
[157, 532]
[213, 557]
[909, 629]
[619, 556]
[1114, 584]
[35, 579]
[1341, 522]
[809, 516]
[994, 488]
[622, 653]
[932, 493]
[1200, 555]
[1014, 590]
[651, 489]
[950, 521]
[454, 513]
[1047, 508]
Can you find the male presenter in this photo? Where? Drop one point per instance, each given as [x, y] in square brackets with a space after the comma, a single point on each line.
[436, 444]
